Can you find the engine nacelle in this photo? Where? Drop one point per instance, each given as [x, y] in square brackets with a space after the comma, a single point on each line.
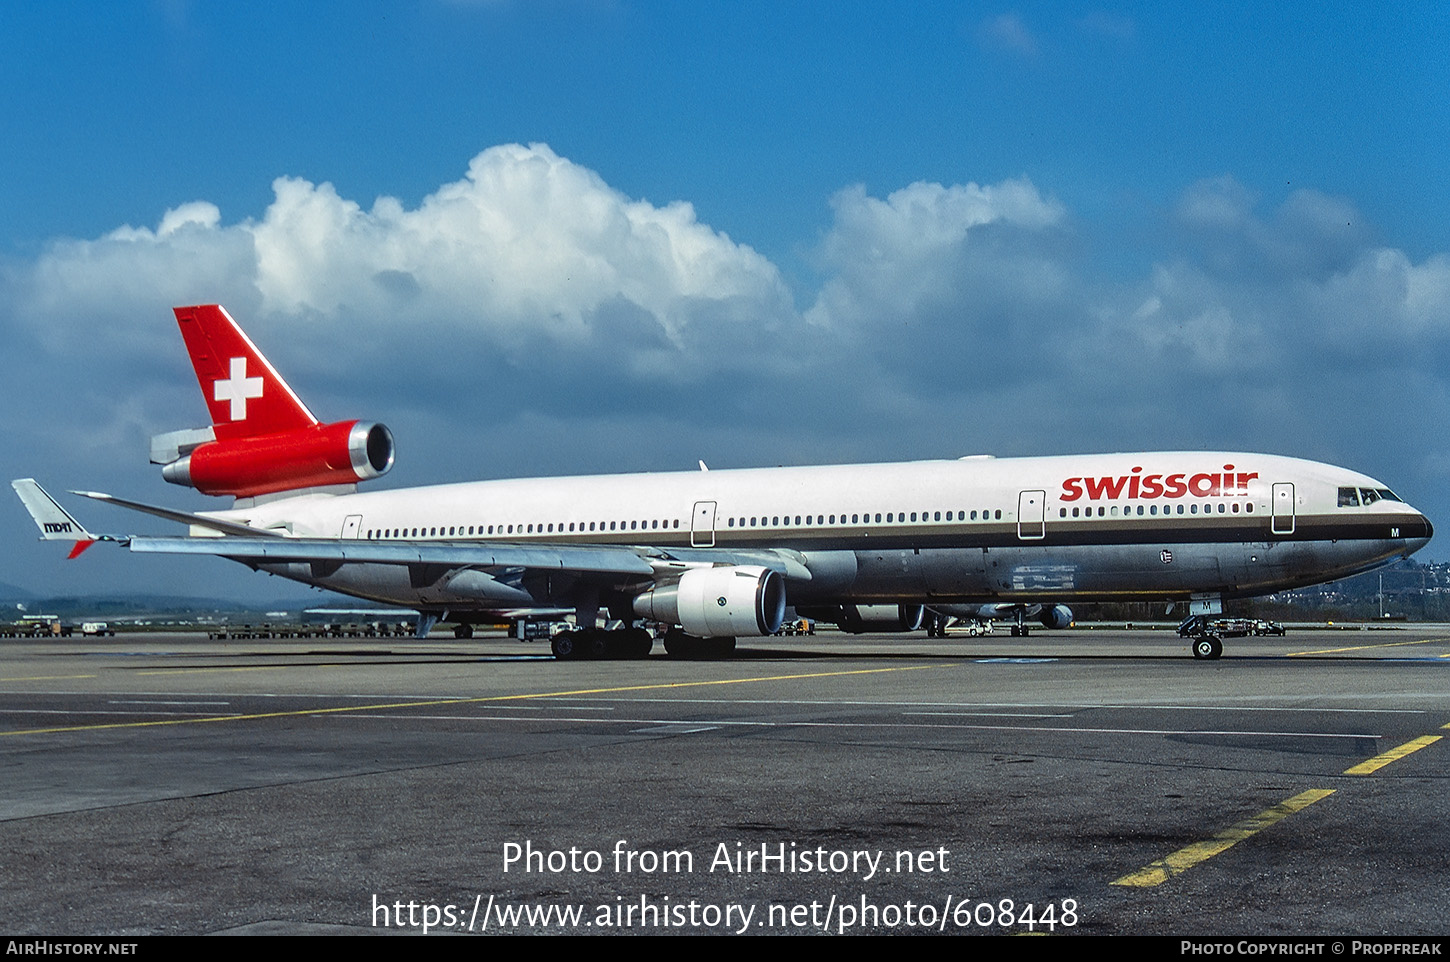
[1056, 616]
[878, 619]
[325, 454]
[723, 602]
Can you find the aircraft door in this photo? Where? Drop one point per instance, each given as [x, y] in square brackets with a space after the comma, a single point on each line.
[1031, 515]
[351, 525]
[702, 525]
[1282, 521]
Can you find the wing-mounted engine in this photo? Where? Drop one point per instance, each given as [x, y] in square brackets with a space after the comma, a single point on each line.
[726, 601]
[1055, 616]
[320, 455]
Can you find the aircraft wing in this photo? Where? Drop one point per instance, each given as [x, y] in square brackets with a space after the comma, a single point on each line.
[644, 562]
[240, 542]
[593, 559]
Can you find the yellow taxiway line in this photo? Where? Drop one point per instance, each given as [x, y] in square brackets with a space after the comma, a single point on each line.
[1388, 644]
[1185, 858]
[297, 713]
[1380, 761]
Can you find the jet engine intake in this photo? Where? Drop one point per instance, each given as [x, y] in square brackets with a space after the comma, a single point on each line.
[726, 601]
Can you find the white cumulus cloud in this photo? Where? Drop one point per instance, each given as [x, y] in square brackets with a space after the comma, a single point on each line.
[531, 291]
[526, 241]
[527, 245]
[888, 257]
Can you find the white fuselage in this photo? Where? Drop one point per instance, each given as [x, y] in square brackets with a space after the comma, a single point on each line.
[1167, 525]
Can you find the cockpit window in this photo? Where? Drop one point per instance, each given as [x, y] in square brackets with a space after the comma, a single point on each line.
[1356, 497]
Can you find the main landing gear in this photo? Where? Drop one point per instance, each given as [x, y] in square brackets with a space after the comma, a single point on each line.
[632, 643]
[601, 644]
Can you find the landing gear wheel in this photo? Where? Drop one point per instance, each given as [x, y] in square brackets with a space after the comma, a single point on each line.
[636, 643]
[599, 644]
[462, 631]
[565, 646]
[1207, 648]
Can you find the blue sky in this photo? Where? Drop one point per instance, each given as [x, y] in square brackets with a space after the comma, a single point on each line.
[566, 237]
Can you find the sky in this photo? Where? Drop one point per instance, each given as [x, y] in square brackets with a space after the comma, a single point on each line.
[541, 237]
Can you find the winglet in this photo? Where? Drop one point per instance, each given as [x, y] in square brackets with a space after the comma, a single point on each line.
[54, 522]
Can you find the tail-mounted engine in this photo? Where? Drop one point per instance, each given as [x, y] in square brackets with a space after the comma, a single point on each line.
[316, 456]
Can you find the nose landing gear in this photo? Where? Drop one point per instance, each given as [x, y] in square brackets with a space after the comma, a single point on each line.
[1206, 644]
[1207, 647]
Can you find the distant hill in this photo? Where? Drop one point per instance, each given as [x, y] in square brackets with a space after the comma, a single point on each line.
[147, 606]
[10, 594]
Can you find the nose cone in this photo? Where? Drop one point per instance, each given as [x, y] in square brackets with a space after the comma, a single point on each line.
[1417, 533]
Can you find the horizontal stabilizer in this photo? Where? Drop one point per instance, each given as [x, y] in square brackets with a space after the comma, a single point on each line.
[174, 445]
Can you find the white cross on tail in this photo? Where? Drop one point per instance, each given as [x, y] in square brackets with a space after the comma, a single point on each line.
[238, 388]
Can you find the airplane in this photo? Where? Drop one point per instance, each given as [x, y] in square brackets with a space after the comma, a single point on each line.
[712, 555]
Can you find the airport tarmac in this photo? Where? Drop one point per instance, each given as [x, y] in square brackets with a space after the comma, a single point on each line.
[160, 783]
